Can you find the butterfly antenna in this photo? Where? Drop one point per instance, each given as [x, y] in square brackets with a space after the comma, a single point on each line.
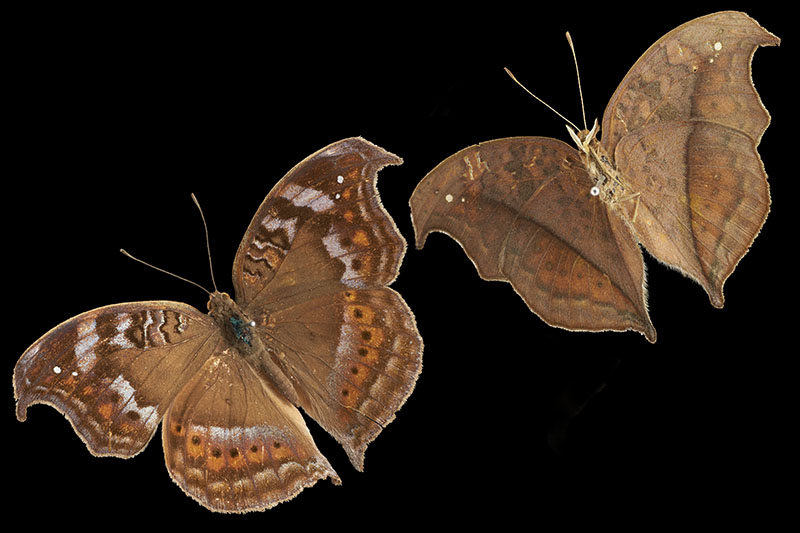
[208, 243]
[126, 254]
[568, 121]
[577, 72]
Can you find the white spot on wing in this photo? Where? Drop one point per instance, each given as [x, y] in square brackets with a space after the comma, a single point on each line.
[84, 348]
[321, 204]
[119, 339]
[307, 197]
[351, 278]
[122, 387]
[273, 223]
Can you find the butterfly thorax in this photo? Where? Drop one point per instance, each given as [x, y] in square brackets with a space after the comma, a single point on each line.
[240, 333]
[609, 184]
[602, 171]
[238, 329]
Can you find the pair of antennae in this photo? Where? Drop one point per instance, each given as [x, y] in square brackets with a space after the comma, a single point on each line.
[208, 250]
[580, 91]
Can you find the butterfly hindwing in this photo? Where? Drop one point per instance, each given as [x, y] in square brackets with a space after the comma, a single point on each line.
[113, 371]
[234, 444]
[702, 200]
[356, 354]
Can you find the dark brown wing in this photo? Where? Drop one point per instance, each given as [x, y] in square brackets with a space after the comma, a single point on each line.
[321, 227]
[522, 210]
[113, 371]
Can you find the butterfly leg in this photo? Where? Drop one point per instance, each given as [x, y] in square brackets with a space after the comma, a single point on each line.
[635, 197]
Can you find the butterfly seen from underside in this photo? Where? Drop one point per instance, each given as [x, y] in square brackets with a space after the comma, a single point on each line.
[676, 171]
[313, 325]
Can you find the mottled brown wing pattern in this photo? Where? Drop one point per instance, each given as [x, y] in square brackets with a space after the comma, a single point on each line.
[313, 269]
[703, 197]
[683, 128]
[521, 209]
[234, 444]
[315, 327]
[677, 165]
[700, 71]
[326, 211]
[113, 371]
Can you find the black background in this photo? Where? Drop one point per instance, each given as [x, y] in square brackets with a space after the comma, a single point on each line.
[118, 116]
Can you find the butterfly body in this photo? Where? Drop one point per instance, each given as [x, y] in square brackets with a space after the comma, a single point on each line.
[676, 171]
[231, 319]
[250, 342]
[313, 326]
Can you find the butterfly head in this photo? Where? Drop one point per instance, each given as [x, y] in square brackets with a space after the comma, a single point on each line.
[598, 163]
[219, 302]
[583, 138]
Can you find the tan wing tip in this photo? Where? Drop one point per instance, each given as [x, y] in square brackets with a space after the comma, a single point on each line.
[716, 298]
[770, 38]
[420, 237]
[372, 151]
[19, 396]
[357, 458]
[22, 411]
[421, 229]
[649, 333]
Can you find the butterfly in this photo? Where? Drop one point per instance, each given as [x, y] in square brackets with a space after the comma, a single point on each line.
[313, 325]
[676, 171]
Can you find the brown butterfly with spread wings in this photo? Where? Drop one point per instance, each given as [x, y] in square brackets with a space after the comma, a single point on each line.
[313, 325]
[676, 170]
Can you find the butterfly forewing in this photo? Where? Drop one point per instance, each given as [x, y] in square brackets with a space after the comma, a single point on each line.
[320, 228]
[113, 371]
[698, 71]
[521, 209]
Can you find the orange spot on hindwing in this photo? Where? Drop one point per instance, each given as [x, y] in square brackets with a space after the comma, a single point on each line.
[360, 237]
